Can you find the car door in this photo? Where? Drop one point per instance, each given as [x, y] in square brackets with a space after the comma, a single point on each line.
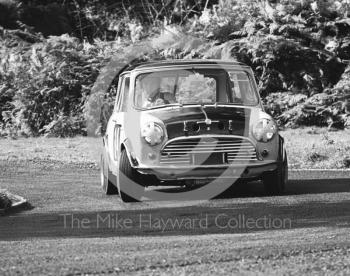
[115, 124]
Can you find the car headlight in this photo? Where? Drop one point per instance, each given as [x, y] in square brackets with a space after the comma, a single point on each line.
[153, 133]
[264, 130]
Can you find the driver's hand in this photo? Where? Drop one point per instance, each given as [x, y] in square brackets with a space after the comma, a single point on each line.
[159, 102]
[155, 103]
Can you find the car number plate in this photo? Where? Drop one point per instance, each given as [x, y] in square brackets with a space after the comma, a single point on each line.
[208, 159]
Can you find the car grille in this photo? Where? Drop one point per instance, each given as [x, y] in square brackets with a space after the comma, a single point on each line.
[208, 151]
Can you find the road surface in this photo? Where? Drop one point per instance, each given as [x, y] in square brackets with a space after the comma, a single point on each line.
[73, 229]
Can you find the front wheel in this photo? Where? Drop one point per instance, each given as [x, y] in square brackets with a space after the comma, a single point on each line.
[130, 189]
[107, 179]
[275, 181]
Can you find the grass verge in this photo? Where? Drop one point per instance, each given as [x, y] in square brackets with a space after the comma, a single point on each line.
[308, 148]
[318, 148]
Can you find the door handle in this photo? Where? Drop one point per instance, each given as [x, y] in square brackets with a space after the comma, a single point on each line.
[116, 123]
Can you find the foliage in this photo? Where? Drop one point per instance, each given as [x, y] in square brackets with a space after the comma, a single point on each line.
[82, 19]
[52, 81]
[296, 46]
[298, 50]
[325, 109]
[330, 108]
[89, 19]
[292, 45]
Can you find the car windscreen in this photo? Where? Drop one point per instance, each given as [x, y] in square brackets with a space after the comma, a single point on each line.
[193, 86]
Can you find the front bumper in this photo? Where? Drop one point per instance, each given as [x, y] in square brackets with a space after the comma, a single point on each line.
[245, 171]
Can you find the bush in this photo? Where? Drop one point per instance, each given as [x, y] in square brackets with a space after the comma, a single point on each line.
[52, 81]
[296, 49]
[320, 110]
[278, 103]
[286, 42]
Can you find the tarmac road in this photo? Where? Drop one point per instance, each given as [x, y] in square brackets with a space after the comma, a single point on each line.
[74, 229]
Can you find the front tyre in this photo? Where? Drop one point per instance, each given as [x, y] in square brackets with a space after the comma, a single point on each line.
[107, 179]
[130, 189]
[275, 181]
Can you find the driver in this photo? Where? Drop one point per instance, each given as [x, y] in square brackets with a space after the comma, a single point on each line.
[153, 96]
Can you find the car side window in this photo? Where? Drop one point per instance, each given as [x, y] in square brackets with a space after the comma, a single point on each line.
[241, 89]
[119, 94]
[125, 95]
[122, 99]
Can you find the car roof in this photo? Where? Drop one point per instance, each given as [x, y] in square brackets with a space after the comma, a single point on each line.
[181, 62]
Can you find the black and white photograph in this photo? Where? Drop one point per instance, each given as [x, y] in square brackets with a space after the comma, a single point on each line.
[174, 137]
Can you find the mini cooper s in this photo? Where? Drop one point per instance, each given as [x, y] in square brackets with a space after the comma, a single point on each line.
[187, 122]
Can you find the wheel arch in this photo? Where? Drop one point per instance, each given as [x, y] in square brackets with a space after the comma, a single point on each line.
[126, 145]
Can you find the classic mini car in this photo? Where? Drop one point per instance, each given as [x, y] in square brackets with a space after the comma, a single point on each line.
[184, 122]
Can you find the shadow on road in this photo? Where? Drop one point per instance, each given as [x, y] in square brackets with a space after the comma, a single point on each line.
[306, 203]
[195, 220]
[239, 214]
[312, 186]
[294, 187]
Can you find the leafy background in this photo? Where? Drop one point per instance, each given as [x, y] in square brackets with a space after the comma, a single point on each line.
[51, 54]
